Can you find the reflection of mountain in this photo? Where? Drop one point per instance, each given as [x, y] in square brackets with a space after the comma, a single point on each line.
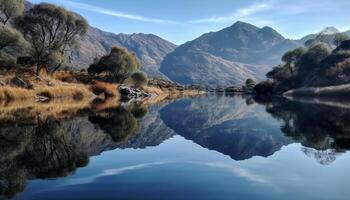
[225, 124]
[57, 148]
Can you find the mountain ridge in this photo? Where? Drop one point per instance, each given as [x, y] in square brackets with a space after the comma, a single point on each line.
[233, 54]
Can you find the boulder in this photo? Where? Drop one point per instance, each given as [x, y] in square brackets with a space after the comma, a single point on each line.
[131, 93]
[18, 82]
[234, 89]
[220, 90]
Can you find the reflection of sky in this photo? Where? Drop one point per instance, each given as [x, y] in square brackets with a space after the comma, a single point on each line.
[180, 165]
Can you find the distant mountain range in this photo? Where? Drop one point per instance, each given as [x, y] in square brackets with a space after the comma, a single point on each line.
[226, 57]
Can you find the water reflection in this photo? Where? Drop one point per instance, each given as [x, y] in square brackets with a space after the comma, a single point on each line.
[240, 127]
[322, 128]
[233, 126]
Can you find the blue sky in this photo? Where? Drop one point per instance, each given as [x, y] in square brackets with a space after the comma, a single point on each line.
[182, 20]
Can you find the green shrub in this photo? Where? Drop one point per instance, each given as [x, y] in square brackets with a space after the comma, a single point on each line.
[119, 64]
[139, 79]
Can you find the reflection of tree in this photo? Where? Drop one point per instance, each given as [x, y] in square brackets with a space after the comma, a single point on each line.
[316, 126]
[45, 151]
[56, 148]
[324, 157]
[52, 153]
[119, 123]
[12, 179]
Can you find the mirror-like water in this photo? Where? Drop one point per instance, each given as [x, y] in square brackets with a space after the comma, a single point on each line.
[210, 147]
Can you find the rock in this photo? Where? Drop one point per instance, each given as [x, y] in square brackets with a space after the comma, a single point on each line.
[219, 90]
[234, 89]
[18, 82]
[132, 93]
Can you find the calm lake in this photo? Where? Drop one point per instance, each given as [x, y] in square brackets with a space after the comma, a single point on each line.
[209, 147]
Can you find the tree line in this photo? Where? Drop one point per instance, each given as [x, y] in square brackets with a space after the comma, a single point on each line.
[322, 61]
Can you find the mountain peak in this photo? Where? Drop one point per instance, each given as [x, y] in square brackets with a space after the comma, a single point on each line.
[243, 24]
[329, 31]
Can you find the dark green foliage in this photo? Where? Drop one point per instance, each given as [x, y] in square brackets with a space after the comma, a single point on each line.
[315, 55]
[265, 87]
[51, 30]
[139, 79]
[10, 9]
[139, 112]
[294, 55]
[339, 38]
[11, 38]
[310, 42]
[119, 64]
[119, 123]
[313, 125]
[302, 67]
[345, 45]
[249, 85]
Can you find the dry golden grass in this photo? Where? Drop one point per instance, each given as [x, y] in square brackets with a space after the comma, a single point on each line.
[72, 91]
[38, 111]
[153, 90]
[109, 90]
[8, 93]
[104, 104]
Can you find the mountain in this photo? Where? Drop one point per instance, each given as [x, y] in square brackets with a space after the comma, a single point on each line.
[228, 56]
[329, 31]
[327, 34]
[149, 48]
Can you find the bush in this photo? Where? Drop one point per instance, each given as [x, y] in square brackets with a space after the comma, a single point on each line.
[294, 55]
[315, 55]
[265, 87]
[249, 85]
[339, 38]
[119, 64]
[139, 79]
[10, 9]
[139, 112]
[11, 38]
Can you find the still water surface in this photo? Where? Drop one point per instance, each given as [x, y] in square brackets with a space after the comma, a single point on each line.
[211, 147]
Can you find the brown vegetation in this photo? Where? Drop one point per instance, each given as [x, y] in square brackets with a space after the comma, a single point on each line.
[109, 90]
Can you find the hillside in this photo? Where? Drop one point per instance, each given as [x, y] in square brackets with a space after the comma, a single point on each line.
[228, 56]
[150, 49]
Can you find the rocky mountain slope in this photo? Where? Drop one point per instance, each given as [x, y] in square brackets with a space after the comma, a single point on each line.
[228, 56]
[150, 49]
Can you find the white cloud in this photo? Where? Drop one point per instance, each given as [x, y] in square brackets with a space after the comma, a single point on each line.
[240, 14]
[109, 172]
[96, 9]
[237, 170]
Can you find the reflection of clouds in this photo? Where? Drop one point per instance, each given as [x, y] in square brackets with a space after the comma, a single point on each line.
[237, 170]
[109, 172]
